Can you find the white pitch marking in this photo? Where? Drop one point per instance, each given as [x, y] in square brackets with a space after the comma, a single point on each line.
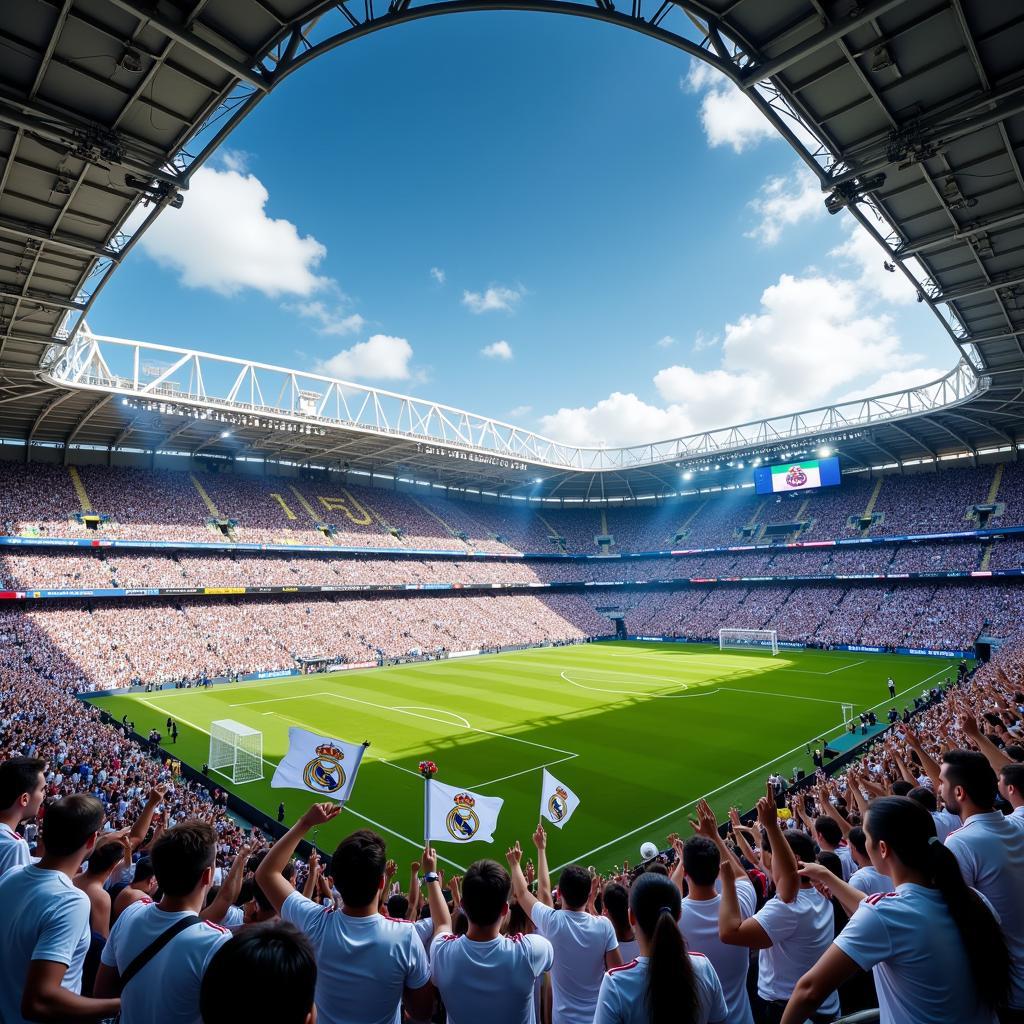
[787, 696]
[842, 668]
[416, 707]
[739, 778]
[525, 771]
[641, 693]
[415, 843]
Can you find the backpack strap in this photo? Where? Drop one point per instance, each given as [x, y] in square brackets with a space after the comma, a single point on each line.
[155, 946]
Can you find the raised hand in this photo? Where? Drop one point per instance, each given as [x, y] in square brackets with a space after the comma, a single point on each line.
[428, 859]
[540, 838]
[389, 870]
[514, 854]
[320, 814]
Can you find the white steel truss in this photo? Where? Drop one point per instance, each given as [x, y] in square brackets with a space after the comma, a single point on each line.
[174, 379]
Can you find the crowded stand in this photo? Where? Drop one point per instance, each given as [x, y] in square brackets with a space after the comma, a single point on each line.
[909, 865]
[188, 506]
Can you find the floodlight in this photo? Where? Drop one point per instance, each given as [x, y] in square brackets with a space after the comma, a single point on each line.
[688, 475]
[824, 451]
[225, 433]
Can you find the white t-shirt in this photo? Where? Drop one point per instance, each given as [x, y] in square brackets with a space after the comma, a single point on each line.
[945, 822]
[364, 964]
[869, 881]
[13, 850]
[167, 988]
[845, 855]
[425, 930]
[1016, 816]
[42, 917]
[489, 981]
[918, 959]
[622, 998]
[699, 925]
[629, 950]
[580, 941]
[800, 931]
[991, 854]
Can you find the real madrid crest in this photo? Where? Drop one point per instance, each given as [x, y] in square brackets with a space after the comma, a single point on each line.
[324, 773]
[462, 822]
[558, 805]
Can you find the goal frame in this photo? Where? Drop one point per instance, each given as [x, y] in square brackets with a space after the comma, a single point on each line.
[749, 640]
[237, 748]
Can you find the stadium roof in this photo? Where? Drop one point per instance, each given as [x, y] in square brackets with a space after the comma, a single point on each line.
[910, 112]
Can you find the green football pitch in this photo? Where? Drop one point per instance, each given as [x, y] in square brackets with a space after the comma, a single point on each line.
[638, 731]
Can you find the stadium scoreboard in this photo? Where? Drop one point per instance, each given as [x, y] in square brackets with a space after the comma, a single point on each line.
[797, 476]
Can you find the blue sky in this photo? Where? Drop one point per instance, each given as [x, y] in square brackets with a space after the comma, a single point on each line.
[539, 218]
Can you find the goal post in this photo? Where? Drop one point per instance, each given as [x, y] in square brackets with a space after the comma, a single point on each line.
[236, 751]
[748, 640]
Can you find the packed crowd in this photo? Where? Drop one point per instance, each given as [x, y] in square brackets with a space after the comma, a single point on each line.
[106, 643]
[898, 884]
[177, 505]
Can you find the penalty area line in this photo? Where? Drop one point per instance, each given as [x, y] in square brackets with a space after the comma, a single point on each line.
[347, 808]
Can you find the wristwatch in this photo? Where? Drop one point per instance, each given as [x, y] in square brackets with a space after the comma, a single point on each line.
[431, 876]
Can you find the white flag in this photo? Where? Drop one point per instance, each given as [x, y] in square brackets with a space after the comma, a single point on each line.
[557, 801]
[318, 764]
[456, 815]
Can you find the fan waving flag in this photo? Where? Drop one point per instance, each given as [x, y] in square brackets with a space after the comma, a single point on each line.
[458, 816]
[557, 801]
[319, 764]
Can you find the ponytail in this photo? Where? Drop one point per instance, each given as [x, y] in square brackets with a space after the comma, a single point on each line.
[908, 829]
[671, 995]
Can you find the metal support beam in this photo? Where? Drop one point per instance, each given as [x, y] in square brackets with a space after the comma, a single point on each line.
[188, 38]
[860, 14]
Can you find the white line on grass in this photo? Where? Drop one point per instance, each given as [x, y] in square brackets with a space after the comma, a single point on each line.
[705, 660]
[525, 771]
[842, 668]
[416, 707]
[411, 714]
[415, 843]
[787, 696]
[732, 782]
[641, 693]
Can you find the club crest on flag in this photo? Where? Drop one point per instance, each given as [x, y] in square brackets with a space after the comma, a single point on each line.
[324, 772]
[557, 805]
[462, 821]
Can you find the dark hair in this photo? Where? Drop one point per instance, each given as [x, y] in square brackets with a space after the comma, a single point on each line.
[671, 986]
[701, 860]
[909, 831]
[1014, 750]
[358, 867]
[574, 886]
[518, 921]
[182, 854]
[858, 840]
[829, 830]
[485, 889]
[830, 860]
[264, 972]
[801, 844]
[70, 822]
[1013, 775]
[901, 787]
[615, 899]
[925, 797]
[19, 775]
[103, 858]
[971, 771]
[398, 906]
[143, 870]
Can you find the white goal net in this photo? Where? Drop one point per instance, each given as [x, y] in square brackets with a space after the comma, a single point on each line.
[236, 751]
[748, 640]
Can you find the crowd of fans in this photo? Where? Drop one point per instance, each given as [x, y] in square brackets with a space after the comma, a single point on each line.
[178, 505]
[104, 643]
[898, 883]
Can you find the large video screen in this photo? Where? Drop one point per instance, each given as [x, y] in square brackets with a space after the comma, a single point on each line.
[797, 476]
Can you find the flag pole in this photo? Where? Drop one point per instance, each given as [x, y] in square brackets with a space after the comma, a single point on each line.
[355, 772]
[428, 770]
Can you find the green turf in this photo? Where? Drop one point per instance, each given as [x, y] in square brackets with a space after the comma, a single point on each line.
[641, 731]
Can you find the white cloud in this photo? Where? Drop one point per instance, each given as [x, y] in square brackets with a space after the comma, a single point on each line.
[809, 342]
[497, 350]
[702, 342]
[223, 239]
[235, 160]
[438, 275]
[728, 117]
[333, 321]
[783, 202]
[866, 256]
[378, 358]
[895, 380]
[665, 342]
[520, 411]
[495, 297]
